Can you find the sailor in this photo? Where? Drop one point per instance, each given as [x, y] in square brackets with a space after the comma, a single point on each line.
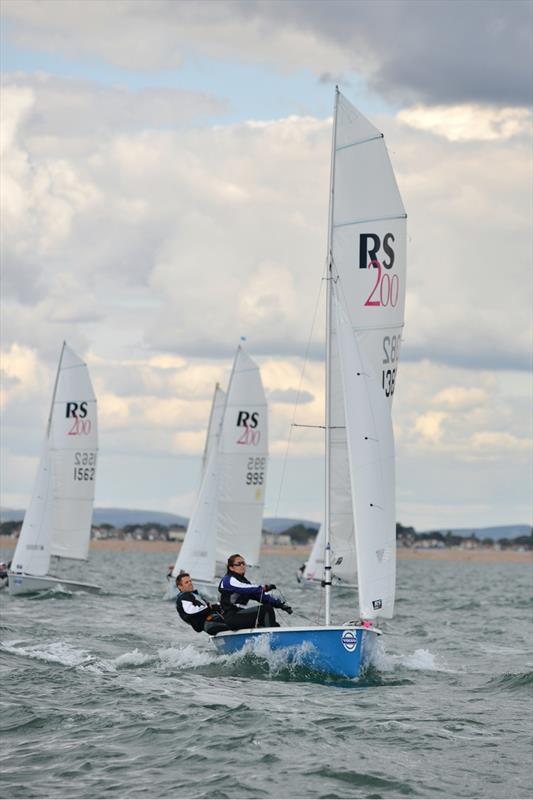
[195, 610]
[235, 593]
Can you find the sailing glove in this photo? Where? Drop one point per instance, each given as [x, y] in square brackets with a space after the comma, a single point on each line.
[286, 608]
[269, 586]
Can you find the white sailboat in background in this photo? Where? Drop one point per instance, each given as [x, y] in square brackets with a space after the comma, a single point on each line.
[312, 572]
[58, 519]
[228, 514]
[213, 427]
[364, 321]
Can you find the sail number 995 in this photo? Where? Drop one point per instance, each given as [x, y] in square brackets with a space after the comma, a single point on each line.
[255, 471]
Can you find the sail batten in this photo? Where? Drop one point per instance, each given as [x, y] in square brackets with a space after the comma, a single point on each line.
[370, 219]
[360, 141]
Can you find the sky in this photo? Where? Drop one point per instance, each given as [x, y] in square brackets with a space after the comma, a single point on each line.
[164, 190]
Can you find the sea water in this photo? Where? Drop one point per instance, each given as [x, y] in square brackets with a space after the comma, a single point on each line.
[112, 696]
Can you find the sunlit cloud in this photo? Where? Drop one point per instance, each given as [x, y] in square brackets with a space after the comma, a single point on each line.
[460, 397]
[465, 123]
[430, 426]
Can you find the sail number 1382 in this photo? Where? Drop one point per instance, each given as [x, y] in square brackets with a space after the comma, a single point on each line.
[391, 352]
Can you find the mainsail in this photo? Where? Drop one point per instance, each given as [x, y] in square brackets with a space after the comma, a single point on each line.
[243, 452]
[58, 519]
[367, 268]
[228, 513]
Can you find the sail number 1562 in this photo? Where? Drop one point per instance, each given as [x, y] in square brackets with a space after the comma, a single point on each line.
[84, 466]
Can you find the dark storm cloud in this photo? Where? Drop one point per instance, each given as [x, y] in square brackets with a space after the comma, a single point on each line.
[434, 52]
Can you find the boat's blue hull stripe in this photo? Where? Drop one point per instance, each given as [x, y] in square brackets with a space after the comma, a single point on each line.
[337, 651]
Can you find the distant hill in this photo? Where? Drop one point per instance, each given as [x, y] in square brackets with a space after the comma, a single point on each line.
[496, 532]
[281, 524]
[118, 517]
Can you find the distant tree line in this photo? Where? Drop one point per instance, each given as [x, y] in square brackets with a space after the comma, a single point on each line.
[301, 534]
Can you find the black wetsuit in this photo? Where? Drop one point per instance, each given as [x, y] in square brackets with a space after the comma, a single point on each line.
[199, 614]
[236, 591]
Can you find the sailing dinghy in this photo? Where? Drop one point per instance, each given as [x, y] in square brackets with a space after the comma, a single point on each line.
[364, 321]
[58, 519]
[228, 514]
[312, 572]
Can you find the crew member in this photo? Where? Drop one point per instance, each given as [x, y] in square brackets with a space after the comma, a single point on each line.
[236, 591]
[195, 610]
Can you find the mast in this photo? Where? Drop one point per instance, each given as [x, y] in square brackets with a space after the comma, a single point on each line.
[50, 415]
[329, 277]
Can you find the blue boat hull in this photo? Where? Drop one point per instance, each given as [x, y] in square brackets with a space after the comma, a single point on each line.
[335, 650]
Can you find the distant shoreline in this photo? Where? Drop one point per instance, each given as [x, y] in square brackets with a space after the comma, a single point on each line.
[302, 551]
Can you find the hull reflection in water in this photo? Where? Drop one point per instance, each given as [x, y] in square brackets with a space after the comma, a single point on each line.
[337, 650]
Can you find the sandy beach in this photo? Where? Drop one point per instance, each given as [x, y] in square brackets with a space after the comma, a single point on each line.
[404, 553]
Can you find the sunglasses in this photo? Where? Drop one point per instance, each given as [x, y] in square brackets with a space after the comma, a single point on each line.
[239, 564]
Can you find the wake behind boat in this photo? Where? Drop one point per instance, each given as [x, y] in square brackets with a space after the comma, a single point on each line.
[58, 519]
[364, 321]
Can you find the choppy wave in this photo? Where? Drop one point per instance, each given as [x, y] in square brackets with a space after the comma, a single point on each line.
[54, 652]
[420, 659]
[114, 697]
[509, 680]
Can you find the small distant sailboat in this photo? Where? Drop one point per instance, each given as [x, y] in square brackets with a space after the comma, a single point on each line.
[364, 321]
[312, 572]
[228, 514]
[58, 519]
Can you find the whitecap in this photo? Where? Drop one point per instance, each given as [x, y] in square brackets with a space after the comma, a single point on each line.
[54, 652]
[418, 660]
[132, 659]
[185, 657]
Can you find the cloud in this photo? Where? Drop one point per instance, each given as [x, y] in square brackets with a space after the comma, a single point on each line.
[469, 122]
[290, 396]
[153, 250]
[461, 397]
[152, 233]
[66, 108]
[435, 52]
[429, 426]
